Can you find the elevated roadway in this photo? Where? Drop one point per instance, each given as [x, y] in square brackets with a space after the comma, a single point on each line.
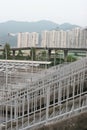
[49, 49]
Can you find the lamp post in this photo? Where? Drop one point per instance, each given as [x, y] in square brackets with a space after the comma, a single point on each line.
[6, 67]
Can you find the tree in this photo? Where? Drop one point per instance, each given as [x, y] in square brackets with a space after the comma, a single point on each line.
[7, 51]
[19, 55]
[71, 58]
[28, 57]
[44, 55]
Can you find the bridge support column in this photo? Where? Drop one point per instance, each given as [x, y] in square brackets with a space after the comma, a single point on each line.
[49, 54]
[13, 54]
[65, 55]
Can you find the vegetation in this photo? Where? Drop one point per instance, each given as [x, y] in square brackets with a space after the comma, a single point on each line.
[71, 58]
[55, 59]
[19, 56]
[6, 52]
[43, 56]
[28, 57]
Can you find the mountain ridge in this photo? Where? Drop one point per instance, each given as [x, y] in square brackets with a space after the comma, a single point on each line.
[23, 26]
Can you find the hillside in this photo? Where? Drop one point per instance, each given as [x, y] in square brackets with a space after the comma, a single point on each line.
[16, 26]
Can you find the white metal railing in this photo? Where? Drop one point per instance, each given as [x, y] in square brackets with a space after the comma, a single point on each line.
[36, 98]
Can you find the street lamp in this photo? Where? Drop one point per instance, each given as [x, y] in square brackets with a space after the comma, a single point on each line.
[6, 67]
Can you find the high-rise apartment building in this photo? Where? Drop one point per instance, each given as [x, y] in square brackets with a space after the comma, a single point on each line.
[68, 38]
[35, 39]
[75, 38]
[22, 39]
[45, 39]
[53, 38]
[27, 39]
[84, 37]
[62, 39]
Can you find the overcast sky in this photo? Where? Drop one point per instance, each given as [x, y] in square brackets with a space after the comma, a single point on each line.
[59, 11]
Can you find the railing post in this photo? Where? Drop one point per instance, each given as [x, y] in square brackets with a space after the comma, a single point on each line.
[47, 105]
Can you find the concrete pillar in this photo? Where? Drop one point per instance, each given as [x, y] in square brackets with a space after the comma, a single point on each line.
[65, 55]
[86, 53]
[49, 54]
[13, 54]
